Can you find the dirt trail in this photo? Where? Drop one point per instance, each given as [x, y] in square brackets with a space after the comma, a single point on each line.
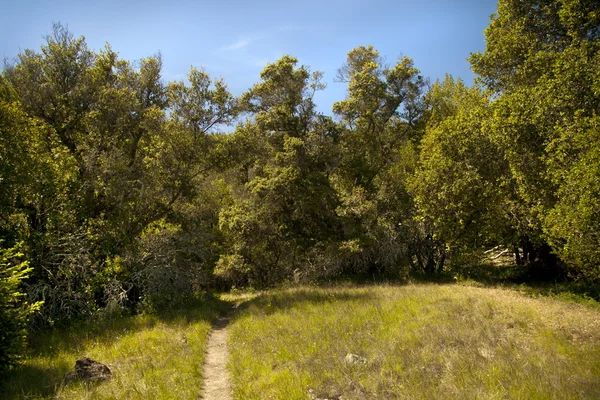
[216, 377]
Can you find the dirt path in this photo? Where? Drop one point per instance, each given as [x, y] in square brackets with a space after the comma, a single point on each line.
[216, 378]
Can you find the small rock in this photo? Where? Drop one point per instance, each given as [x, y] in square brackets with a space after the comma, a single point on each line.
[89, 370]
[325, 397]
[486, 353]
[334, 395]
[354, 359]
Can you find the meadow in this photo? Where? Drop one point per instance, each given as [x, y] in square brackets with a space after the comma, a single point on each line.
[420, 341]
[415, 340]
[151, 356]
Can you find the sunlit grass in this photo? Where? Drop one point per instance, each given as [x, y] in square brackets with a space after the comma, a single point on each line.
[420, 342]
[153, 356]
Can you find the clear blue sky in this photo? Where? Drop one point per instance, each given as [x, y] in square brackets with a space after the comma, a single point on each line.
[236, 38]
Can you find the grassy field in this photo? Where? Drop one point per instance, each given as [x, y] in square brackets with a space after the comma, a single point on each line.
[155, 356]
[420, 341]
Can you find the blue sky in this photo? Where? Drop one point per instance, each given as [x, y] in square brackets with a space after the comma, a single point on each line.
[235, 39]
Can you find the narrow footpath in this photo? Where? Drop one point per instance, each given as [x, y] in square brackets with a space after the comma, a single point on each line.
[216, 378]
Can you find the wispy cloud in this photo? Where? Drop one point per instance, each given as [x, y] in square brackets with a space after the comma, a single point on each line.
[239, 44]
[249, 38]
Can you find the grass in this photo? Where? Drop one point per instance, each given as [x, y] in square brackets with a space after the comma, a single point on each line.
[420, 342]
[504, 273]
[151, 356]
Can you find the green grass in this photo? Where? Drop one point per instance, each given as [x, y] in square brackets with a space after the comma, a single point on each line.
[152, 356]
[420, 341]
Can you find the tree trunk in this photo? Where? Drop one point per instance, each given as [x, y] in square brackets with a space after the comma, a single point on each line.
[441, 261]
[531, 251]
[518, 255]
[549, 261]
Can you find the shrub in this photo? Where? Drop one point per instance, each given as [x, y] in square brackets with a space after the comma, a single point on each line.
[167, 265]
[14, 309]
[66, 279]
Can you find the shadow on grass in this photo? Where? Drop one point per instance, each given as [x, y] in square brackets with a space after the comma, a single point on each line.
[525, 278]
[105, 330]
[281, 300]
[29, 380]
[209, 307]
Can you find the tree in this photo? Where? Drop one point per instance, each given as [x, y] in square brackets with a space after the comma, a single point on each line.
[462, 187]
[382, 115]
[539, 66]
[100, 149]
[572, 225]
[286, 205]
[283, 100]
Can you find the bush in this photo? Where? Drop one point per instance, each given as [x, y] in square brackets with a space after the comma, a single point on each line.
[67, 280]
[14, 309]
[167, 266]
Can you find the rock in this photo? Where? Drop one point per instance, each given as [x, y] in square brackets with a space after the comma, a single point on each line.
[354, 359]
[89, 370]
[329, 396]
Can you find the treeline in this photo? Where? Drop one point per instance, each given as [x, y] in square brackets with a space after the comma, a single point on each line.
[119, 194]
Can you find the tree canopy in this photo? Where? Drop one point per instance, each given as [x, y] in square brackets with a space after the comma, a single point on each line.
[121, 191]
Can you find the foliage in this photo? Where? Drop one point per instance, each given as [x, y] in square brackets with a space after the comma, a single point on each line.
[93, 159]
[284, 204]
[461, 187]
[126, 194]
[573, 223]
[539, 64]
[14, 308]
[382, 116]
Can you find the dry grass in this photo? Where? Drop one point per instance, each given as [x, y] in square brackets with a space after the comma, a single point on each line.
[157, 356]
[420, 342]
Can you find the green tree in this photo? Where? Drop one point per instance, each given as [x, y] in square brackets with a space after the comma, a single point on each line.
[100, 149]
[286, 205]
[539, 65]
[572, 225]
[382, 116]
[462, 185]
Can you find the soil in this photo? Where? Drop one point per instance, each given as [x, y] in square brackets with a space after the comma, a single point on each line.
[216, 377]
